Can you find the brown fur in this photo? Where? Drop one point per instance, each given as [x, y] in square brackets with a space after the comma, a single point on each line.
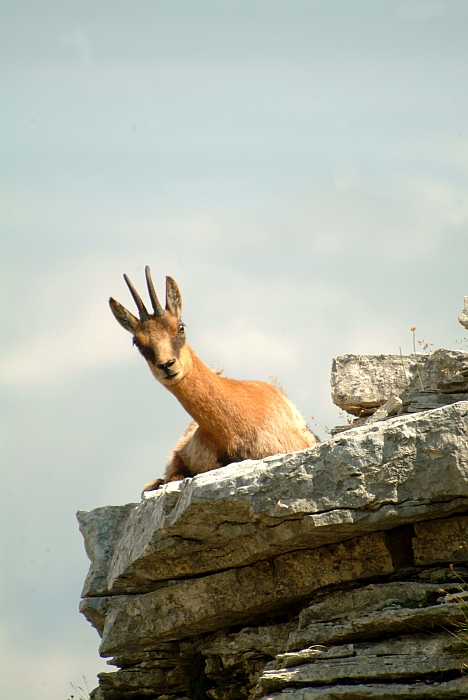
[233, 420]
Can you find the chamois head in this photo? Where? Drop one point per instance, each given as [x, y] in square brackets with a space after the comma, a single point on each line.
[160, 336]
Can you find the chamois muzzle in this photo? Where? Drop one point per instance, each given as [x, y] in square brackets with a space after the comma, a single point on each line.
[165, 366]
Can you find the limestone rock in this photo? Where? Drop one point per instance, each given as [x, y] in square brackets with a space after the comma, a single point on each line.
[392, 406]
[347, 561]
[463, 317]
[443, 541]
[235, 661]
[415, 657]
[101, 529]
[397, 608]
[267, 640]
[239, 595]
[96, 609]
[315, 653]
[421, 690]
[405, 469]
[362, 383]
[432, 369]
[143, 680]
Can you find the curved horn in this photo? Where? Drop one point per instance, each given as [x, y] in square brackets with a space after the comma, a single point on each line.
[141, 307]
[158, 309]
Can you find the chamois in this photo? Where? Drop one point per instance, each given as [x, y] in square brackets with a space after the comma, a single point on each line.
[233, 420]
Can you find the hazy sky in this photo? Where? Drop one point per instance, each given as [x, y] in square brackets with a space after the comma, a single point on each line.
[299, 167]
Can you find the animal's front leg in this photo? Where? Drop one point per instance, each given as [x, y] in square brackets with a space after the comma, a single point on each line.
[176, 470]
[152, 485]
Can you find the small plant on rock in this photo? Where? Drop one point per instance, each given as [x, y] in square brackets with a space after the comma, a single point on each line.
[460, 633]
[79, 692]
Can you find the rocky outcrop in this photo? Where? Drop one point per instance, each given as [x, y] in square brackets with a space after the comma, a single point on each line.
[335, 572]
[362, 383]
[376, 387]
[463, 316]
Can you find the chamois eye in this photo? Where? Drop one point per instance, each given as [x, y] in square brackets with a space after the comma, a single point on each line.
[181, 328]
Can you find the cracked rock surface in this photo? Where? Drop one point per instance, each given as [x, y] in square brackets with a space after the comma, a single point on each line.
[463, 316]
[335, 572]
[375, 477]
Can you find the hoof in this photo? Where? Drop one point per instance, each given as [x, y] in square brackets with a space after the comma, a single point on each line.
[152, 485]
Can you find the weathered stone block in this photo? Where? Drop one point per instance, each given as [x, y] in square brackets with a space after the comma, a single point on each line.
[414, 657]
[463, 316]
[421, 690]
[101, 529]
[442, 541]
[322, 550]
[362, 383]
[239, 595]
[265, 640]
[366, 613]
[405, 469]
[148, 676]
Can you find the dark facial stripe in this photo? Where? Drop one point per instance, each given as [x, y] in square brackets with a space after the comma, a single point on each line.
[177, 342]
[148, 353]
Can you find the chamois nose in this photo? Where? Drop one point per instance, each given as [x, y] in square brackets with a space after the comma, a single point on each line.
[165, 365]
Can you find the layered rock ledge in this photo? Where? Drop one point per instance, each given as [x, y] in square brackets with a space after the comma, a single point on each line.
[335, 572]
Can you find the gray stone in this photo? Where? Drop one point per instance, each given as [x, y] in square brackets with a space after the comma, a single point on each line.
[234, 661]
[397, 608]
[463, 316]
[405, 469]
[437, 380]
[416, 657]
[239, 595]
[153, 677]
[362, 383]
[101, 529]
[337, 557]
[266, 641]
[422, 690]
[392, 406]
[429, 400]
[433, 368]
[164, 650]
[362, 601]
[96, 609]
[440, 542]
[318, 652]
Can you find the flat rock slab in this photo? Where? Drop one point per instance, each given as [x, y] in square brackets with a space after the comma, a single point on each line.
[450, 690]
[463, 316]
[237, 596]
[436, 542]
[151, 676]
[407, 469]
[416, 657]
[361, 382]
[101, 529]
[376, 610]
[265, 640]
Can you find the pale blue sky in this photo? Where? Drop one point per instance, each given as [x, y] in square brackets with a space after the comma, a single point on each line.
[299, 167]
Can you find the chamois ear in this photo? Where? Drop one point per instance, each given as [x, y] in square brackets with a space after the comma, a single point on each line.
[124, 317]
[173, 298]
